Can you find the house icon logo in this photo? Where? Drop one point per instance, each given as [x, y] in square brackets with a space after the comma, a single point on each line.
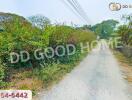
[115, 6]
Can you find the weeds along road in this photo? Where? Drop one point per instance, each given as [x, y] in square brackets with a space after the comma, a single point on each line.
[98, 77]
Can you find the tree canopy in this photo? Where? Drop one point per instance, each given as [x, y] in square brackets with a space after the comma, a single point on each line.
[105, 28]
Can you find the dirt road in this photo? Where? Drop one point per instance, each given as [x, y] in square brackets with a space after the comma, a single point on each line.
[97, 77]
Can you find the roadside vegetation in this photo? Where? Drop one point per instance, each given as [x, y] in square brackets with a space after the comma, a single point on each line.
[125, 33]
[36, 32]
[126, 65]
[124, 53]
[18, 34]
[111, 29]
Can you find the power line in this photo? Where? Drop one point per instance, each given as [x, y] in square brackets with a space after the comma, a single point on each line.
[73, 11]
[76, 9]
[81, 9]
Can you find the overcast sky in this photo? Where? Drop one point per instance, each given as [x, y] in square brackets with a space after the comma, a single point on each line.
[56, 11]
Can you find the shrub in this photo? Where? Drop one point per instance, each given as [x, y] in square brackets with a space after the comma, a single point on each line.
[2, 75]
[63, 35]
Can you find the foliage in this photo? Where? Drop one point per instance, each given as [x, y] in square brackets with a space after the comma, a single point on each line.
[85, 27]
[39, 21]
[126, 34]
[63, 35]
[105, 28]
[19, 34]
[51, 73]
[2, 75]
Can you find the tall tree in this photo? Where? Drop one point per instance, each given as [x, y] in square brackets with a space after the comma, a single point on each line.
[105, 28]
[39, 21]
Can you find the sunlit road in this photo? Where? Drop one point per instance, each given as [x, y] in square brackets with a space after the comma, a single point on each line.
[97, 77]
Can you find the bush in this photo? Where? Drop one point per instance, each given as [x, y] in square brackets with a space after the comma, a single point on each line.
[2, 75]
[22, 35]
[19, 35]
[63, 35]
[126, 34]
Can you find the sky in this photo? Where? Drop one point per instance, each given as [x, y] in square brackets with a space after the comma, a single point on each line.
[57, 12]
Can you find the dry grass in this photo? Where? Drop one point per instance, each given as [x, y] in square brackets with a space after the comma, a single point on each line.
[25, 81]
[126, 66]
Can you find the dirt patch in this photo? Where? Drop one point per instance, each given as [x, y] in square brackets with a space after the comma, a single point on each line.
[126, 68]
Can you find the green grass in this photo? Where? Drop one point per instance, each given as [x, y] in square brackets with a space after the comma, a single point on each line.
[52, 74]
